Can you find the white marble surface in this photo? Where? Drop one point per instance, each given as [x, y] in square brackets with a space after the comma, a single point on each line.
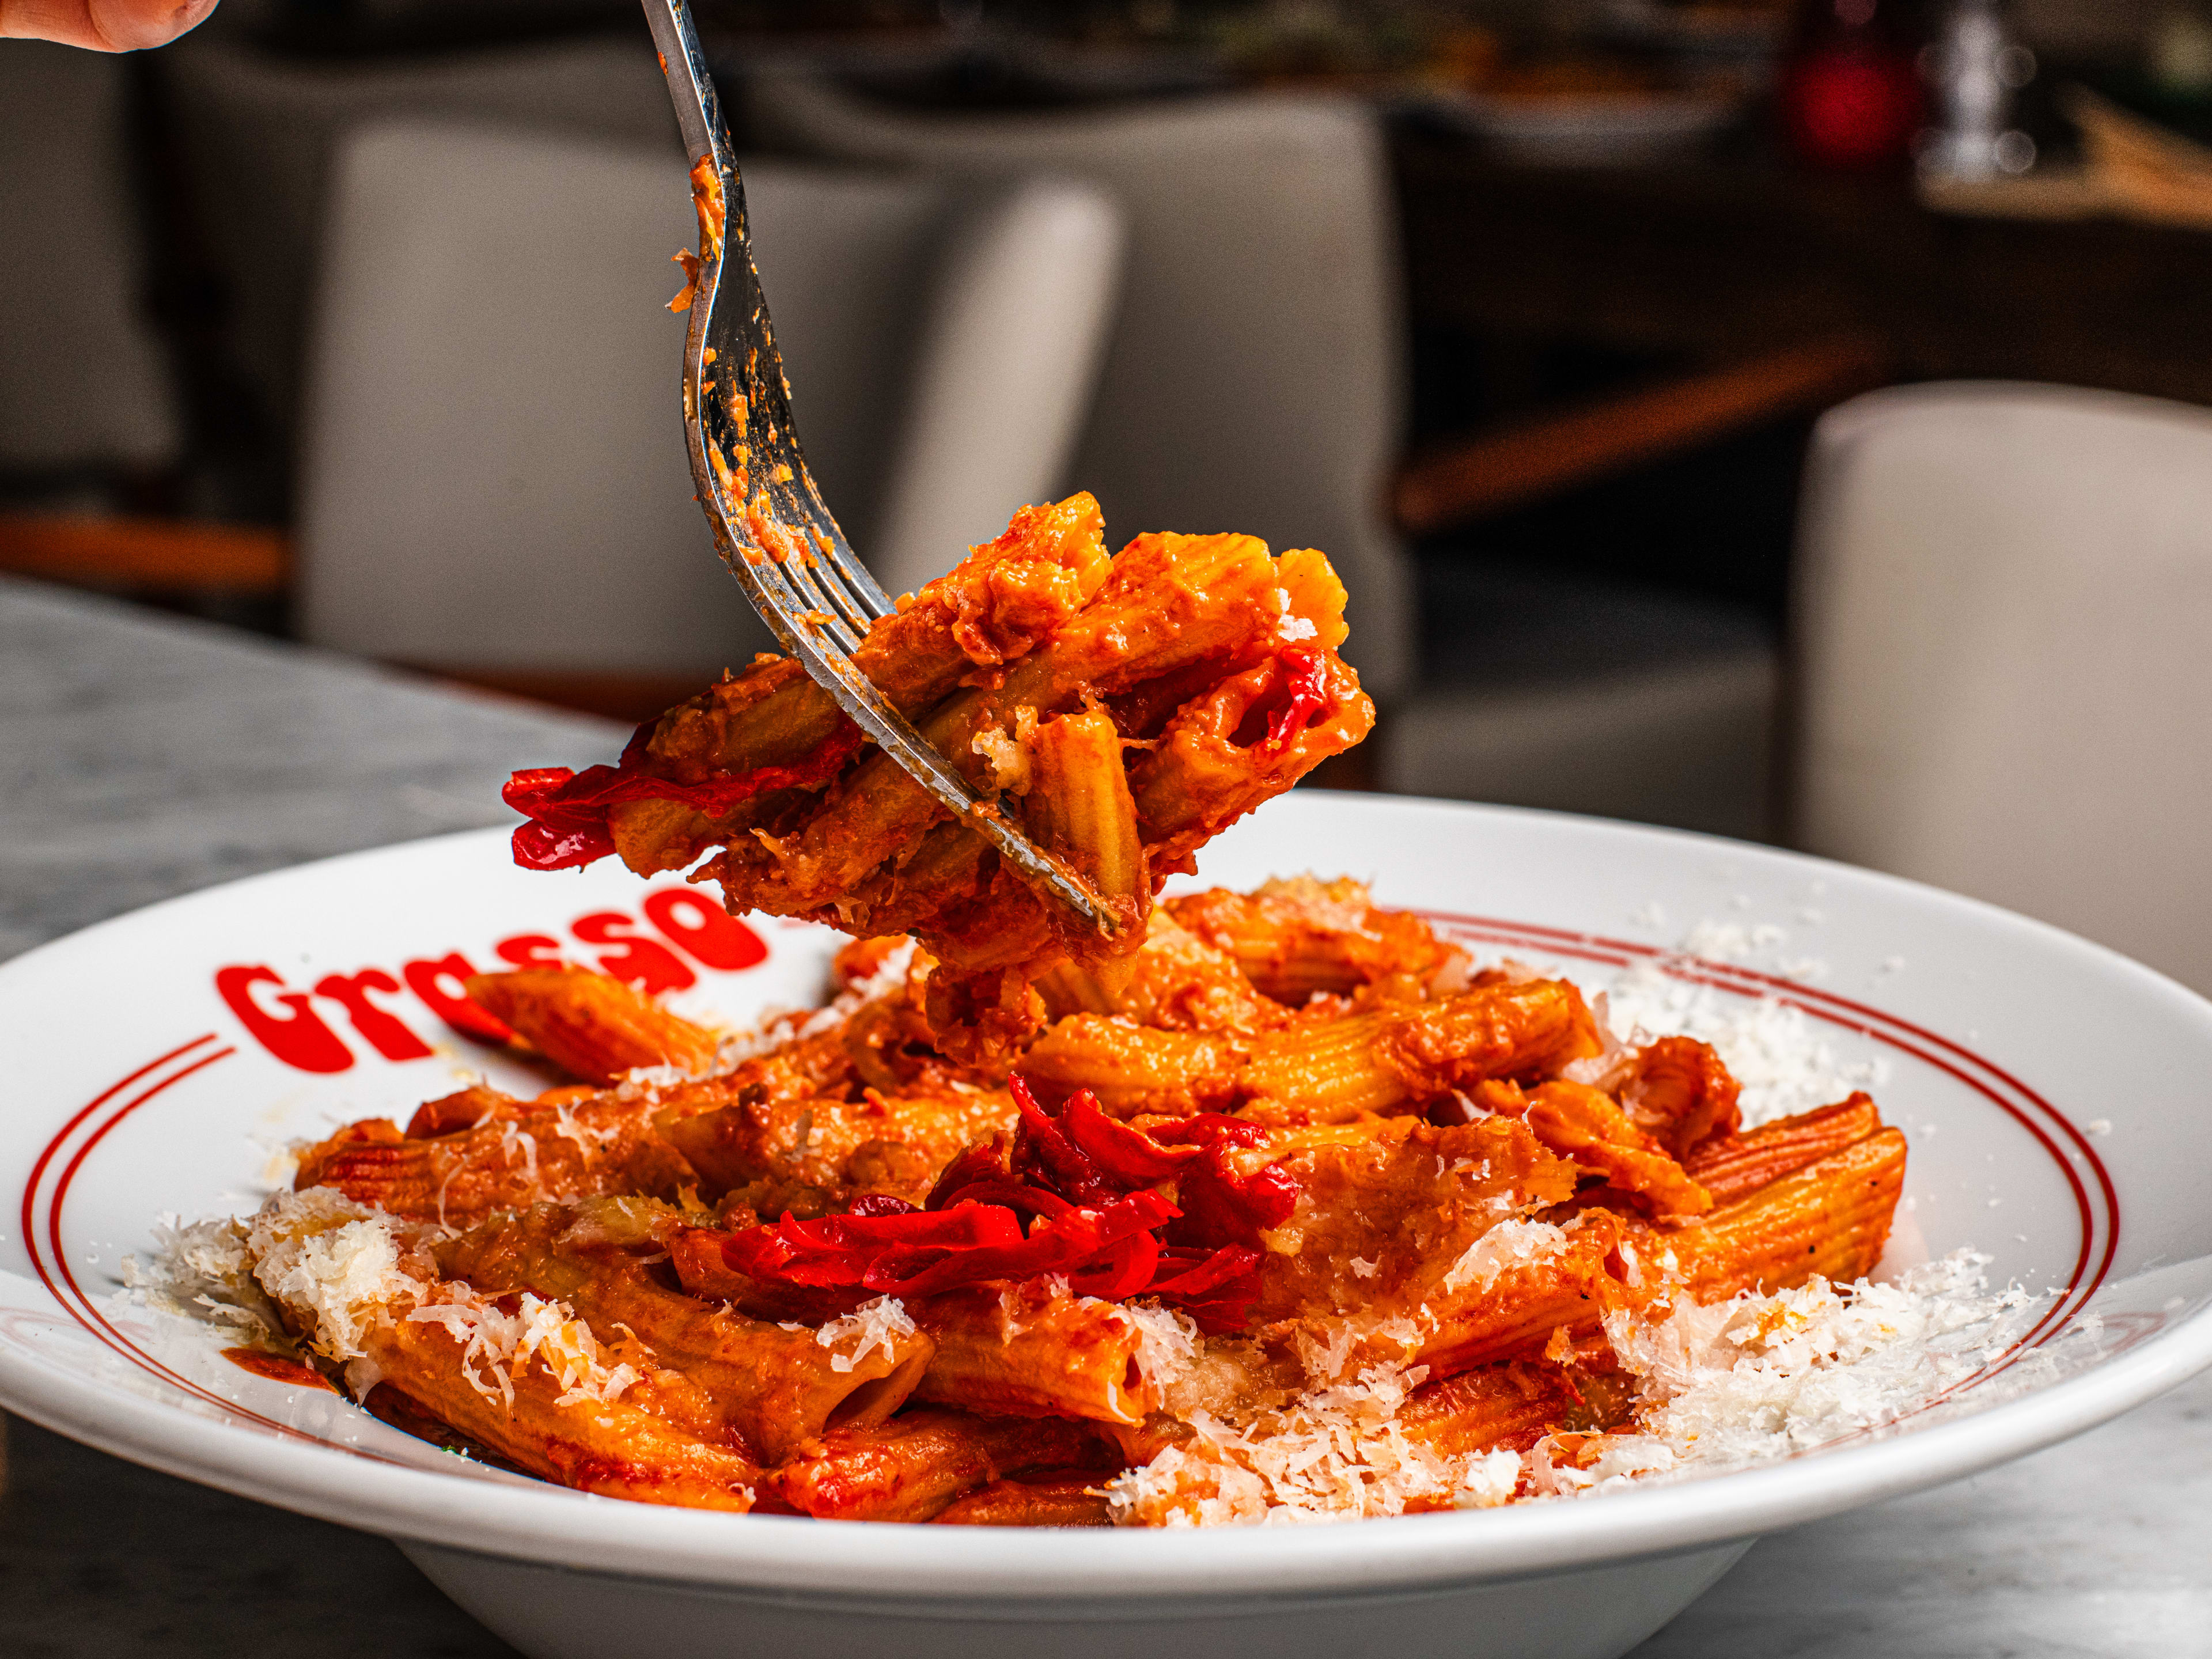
[140, 758]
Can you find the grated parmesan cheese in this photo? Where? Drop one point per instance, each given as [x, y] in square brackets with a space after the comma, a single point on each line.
[1508, 1245]
[1336, 1454]
[332, 1264]
[512, 1136]
[204, 1271]
[566, 1128]
[882, 1323]
[1167, 1342]
[1771, 1049]
[1762, 1376]
[500, 1345]
[1741, 1383]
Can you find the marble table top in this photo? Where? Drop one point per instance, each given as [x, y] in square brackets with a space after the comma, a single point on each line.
[142, 756]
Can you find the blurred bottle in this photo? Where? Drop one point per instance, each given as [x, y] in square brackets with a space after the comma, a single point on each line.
[1974, 68]
[1848, 89]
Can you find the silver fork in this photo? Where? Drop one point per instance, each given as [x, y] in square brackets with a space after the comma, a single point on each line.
[806, 583]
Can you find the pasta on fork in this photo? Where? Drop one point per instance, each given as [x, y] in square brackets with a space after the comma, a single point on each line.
[1127, 710]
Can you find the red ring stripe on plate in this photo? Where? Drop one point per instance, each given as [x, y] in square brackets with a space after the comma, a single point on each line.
[60, 1281]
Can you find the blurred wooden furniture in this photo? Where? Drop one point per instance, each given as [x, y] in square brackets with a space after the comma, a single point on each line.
[2003, 597]
[1527, 459]
[169, 555]
[1739, 255]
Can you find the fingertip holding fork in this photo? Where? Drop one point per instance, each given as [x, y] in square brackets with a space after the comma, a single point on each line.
[771, 525]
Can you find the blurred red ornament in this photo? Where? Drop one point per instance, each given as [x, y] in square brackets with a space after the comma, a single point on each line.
[1850, 89]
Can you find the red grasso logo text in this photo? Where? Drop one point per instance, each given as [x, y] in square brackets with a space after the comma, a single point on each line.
[692, 933]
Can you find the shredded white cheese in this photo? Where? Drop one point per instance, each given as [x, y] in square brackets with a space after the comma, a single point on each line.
[331, 1263]
[204, 1271]
[567, 1127]
[883, 1323]
[1744, 1382]
[1507, 1245]
[513, 1138]
[497, 1347]
[1167, 1342]
[1337, 1454]
[1771, 1049]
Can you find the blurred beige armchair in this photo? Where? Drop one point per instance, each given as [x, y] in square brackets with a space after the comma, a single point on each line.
[493, 474]
[2005, 688]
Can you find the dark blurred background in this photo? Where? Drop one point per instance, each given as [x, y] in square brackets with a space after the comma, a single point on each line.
[1599, 267]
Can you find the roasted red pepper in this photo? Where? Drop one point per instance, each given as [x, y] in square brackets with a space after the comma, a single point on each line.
[916, 1252]
[1222, 1206]
[1087, 1180]
[1305, 678]
[569, 825]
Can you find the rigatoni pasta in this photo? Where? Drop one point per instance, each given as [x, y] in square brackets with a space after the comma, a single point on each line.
[1362, 1244]
[1269, 1203]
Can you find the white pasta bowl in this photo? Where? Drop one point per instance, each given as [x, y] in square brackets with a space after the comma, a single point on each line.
[2052, 1093]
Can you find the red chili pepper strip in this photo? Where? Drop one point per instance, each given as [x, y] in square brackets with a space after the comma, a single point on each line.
[872, 1204]
[1044, 1151]
[1011, 1194]
[985, 1162]
[838, 1249]
[1217, 1291]
[919, 1251]
[1130, 1155]
[1062, 1244]
[1225, 1208]
[1136, 1260]
[1305, 676]
[1202, 1270]
[569, 823]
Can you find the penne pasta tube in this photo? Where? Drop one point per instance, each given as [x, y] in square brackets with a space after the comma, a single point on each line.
[520, 1153]
[1523, 1030]
[776, 1385]
[1512, 1405]
[1244, 742]
[879, 1143]
[524, 1376]
[1177, 981]
[1517, 1286]
[992, 608]
[618, 1448]
[913, 1467]
[1327, 1069]
[1829, 1219]
[1036, 1500]
[1734, 1165]
[1035, 1349]
[1078, 806]
[1296, 936]
[592, 1026]
[1132, 1068]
